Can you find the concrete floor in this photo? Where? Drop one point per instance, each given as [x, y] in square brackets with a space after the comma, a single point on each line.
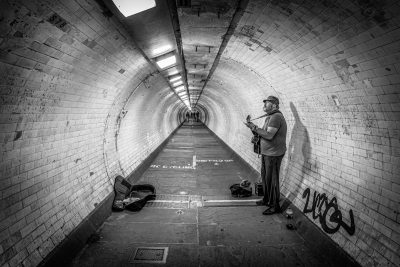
[197, 219]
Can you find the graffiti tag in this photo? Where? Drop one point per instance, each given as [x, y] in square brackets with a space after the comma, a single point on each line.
[335, 217]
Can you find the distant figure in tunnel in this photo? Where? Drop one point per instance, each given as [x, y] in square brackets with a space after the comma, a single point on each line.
[273, 148]
[187, 116]
[197, 115]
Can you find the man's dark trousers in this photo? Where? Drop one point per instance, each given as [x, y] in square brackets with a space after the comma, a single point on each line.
[270, 166]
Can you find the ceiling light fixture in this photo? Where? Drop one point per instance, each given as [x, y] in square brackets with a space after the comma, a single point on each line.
[175, 78]
[161, 50]
[180, 88]
[129, 7]
[173, 72]
[177, 83]
[166, 62]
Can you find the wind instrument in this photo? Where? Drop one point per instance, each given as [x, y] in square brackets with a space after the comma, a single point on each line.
[262, 116]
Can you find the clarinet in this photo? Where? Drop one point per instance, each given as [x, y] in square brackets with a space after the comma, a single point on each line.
[262, 116]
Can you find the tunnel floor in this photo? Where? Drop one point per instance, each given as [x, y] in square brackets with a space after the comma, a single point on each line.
[195, 217]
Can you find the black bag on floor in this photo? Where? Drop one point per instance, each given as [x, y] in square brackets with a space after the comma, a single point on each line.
[241, 190]
[131, 197]
[139, 196]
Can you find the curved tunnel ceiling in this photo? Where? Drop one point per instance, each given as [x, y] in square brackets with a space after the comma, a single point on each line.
[82, 102]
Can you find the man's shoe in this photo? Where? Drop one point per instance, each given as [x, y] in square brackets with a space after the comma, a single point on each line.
[270, 211]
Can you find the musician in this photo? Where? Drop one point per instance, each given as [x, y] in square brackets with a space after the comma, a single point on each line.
[273, 148]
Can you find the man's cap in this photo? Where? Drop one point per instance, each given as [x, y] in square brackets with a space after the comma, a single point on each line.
[272, 99]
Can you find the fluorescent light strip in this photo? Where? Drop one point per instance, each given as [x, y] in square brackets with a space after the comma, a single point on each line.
[175, 78]
[177, 83]
[169, 61]
[129, 7]
[179, 88]
[162, 49]
[174, 72]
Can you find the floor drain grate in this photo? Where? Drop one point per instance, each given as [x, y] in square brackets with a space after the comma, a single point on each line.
[168, 204]
[150, 255]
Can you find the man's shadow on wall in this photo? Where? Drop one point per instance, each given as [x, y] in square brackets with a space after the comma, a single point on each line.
[299, 154]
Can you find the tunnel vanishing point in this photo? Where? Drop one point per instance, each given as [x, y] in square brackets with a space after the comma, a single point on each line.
[84, 97]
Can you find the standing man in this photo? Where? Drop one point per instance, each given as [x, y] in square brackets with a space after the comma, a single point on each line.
[273, 148]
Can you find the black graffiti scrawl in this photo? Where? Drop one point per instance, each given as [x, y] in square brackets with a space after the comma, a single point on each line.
[320, 208]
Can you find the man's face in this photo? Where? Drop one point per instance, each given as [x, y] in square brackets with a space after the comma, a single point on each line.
[268, 106]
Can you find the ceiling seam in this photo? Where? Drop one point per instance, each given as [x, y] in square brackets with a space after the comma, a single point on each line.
[240, 9]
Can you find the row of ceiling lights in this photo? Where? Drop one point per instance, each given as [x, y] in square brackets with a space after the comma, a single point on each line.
[169, 60]
[165, 59]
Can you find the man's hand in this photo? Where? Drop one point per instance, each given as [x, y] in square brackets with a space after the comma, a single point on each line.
[251, 125]
[248, 118]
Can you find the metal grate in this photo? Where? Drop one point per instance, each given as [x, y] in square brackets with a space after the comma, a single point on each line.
[150, 255]
[168, 204]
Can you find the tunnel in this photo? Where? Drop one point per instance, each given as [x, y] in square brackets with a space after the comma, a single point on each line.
[85, 98]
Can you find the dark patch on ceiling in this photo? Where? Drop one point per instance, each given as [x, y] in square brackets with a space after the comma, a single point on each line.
[373, 9]
[248, 30]
[59, 22]
[216, 7]
[341, 68]
[268, 49]
[18, 34]
[342, 63]
[18, 135]
[105, 11]
[90, 44]
[255, 41]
